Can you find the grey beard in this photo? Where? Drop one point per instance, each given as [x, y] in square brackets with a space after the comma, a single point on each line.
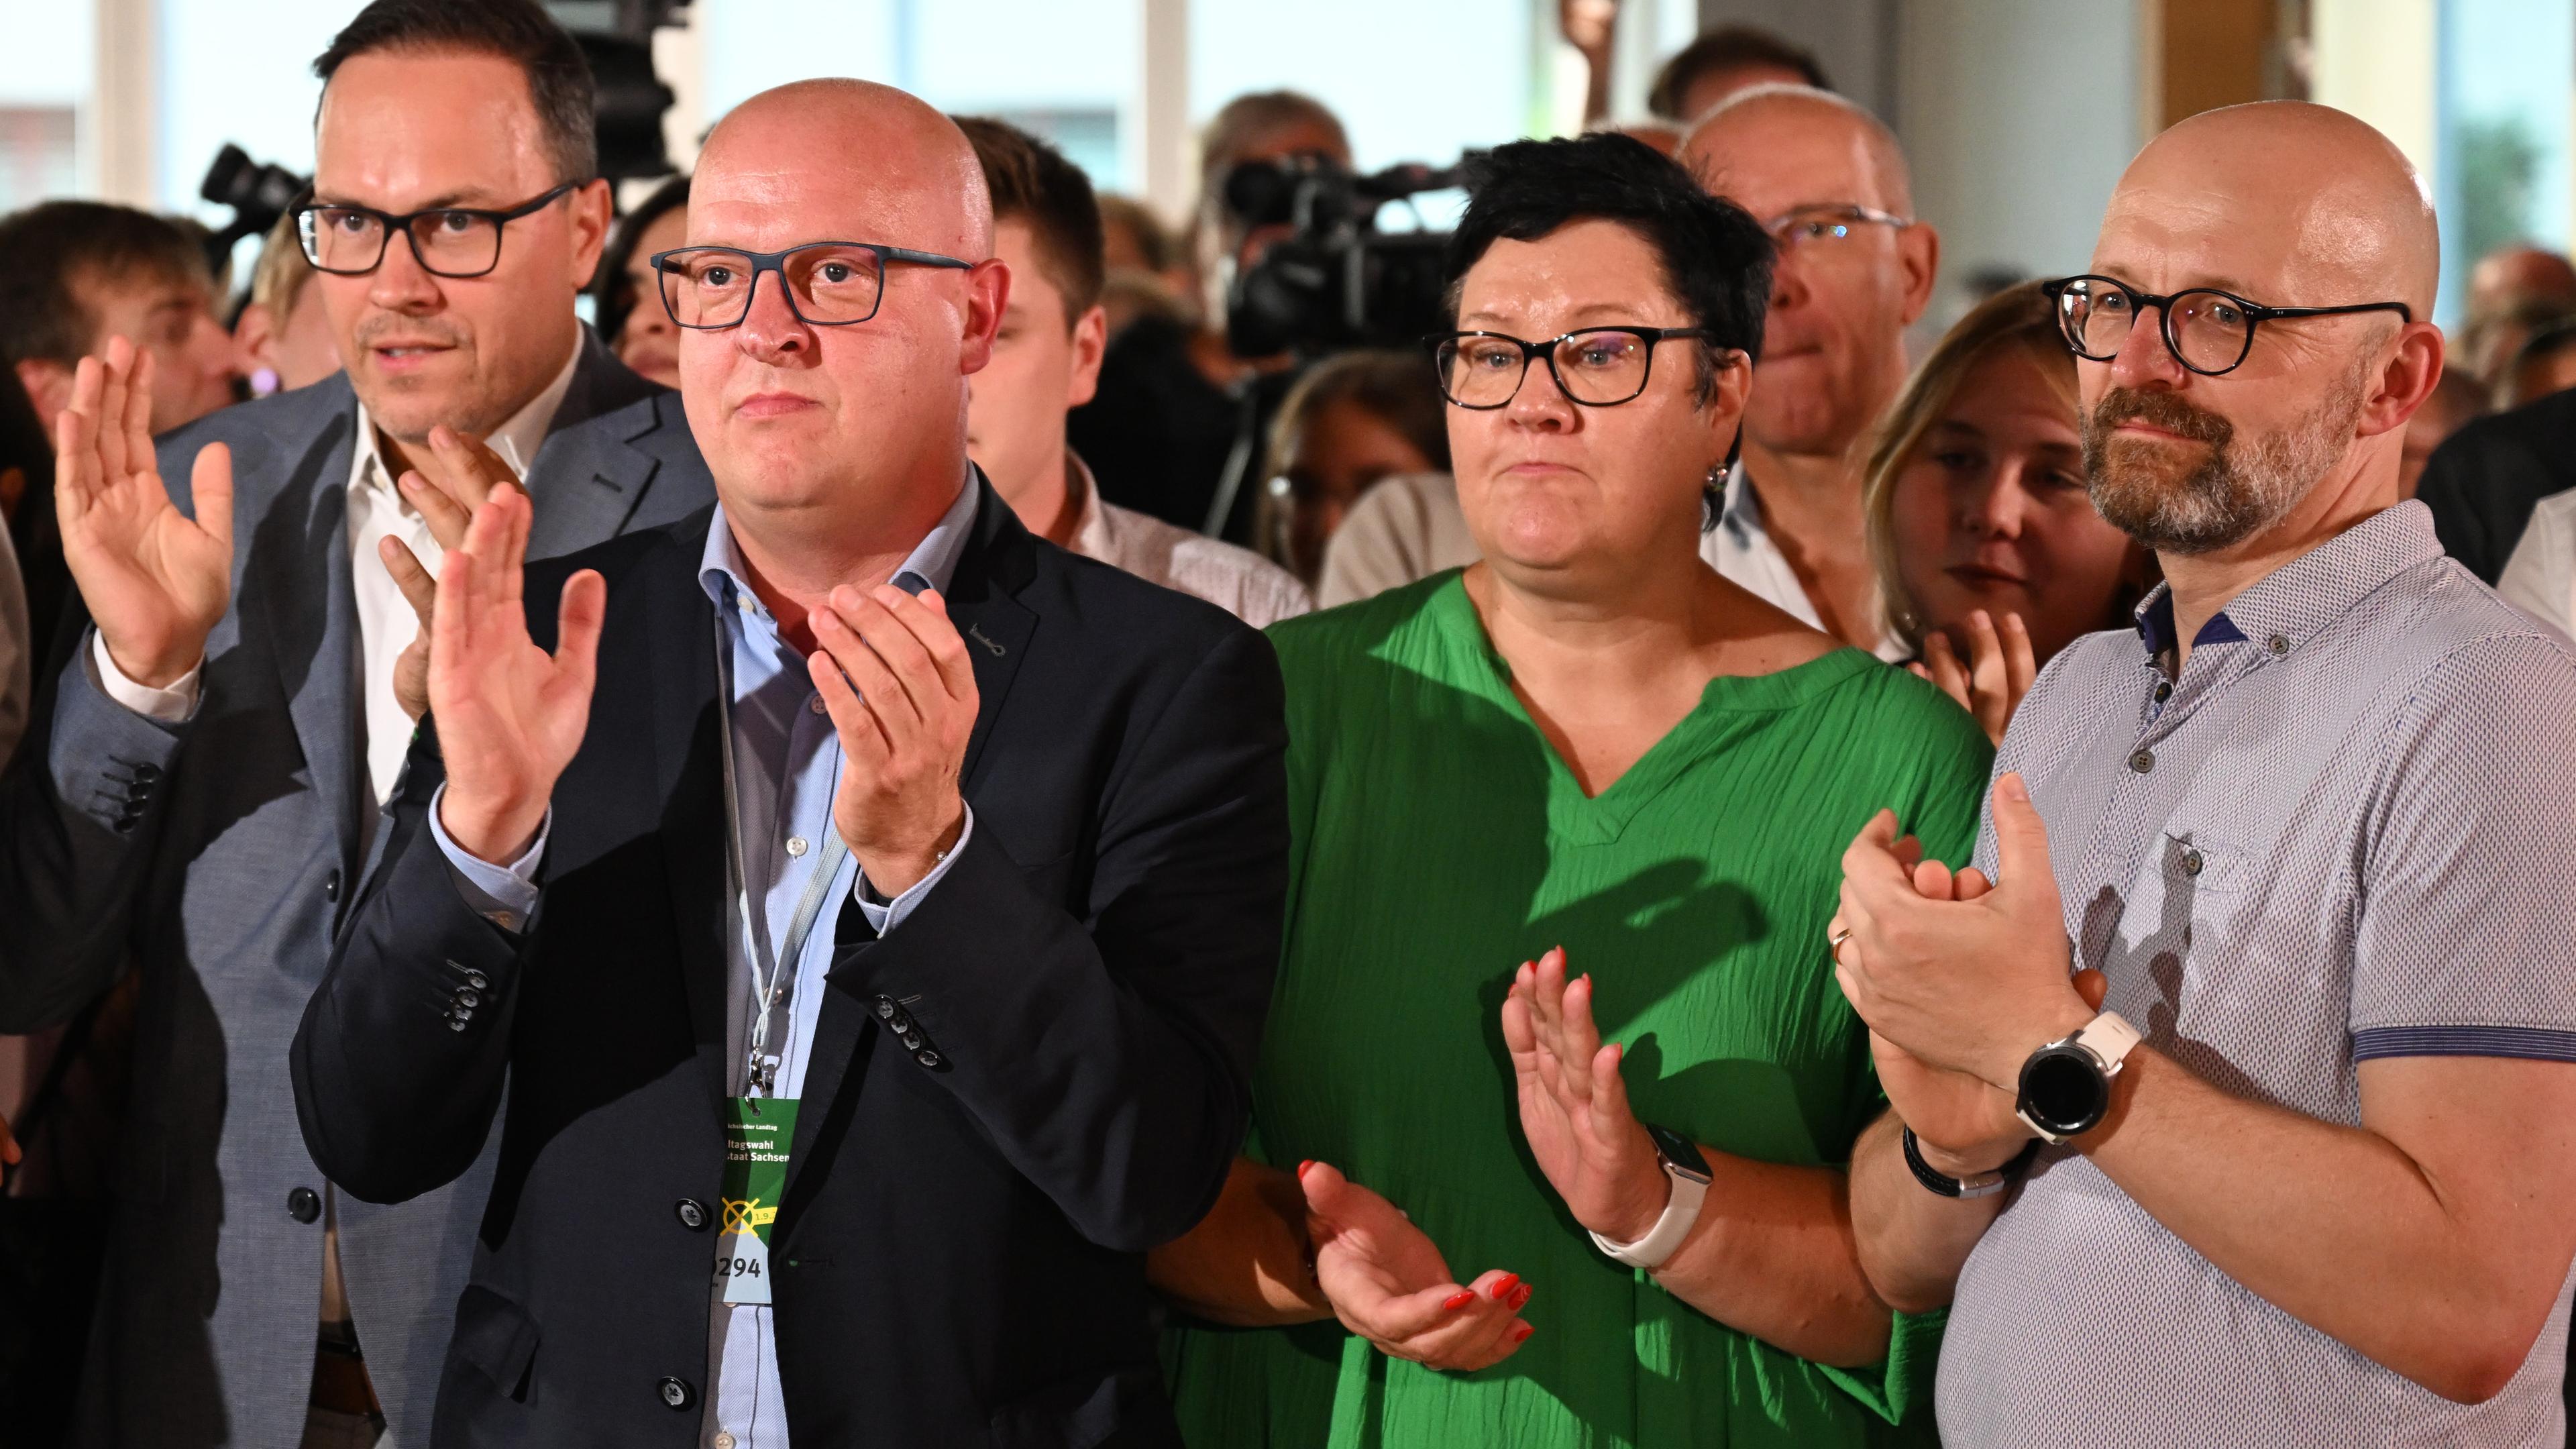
[2238, 490]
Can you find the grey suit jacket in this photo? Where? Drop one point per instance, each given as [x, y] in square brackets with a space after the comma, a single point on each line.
[219, 857]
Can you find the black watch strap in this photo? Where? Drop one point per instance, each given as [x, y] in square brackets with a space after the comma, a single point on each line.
[1985, 1184]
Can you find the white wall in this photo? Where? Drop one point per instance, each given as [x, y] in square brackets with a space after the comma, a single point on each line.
[2014, 150]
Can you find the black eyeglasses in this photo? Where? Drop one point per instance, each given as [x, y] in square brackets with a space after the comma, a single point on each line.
[447, 241]
[828, 284]
[1598, 367]
[2208, 331]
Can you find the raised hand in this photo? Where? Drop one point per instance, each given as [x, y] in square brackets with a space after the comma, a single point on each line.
[510, 716]
[894, 674]
[156, 582]
[1999, 671]
[1574, 1105]
[1971, 981]
[1388, 1283]
[462, 472]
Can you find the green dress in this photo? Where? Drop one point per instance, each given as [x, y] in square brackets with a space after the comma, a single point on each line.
[1437, 842]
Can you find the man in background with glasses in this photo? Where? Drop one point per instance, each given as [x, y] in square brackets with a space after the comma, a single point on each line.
[870, 908]
[224, 741]
[2305, 834]
[1854, 270]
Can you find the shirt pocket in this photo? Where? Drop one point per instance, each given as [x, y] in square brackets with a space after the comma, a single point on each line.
[2197, 864]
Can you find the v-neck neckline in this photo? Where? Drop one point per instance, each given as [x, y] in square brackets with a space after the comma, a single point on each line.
[1724, 701]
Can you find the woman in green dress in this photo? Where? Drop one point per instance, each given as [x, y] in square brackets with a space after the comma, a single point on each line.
[1593, 742]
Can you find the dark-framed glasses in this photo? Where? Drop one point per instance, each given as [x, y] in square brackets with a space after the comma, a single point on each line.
[828, 283]
[1828, 224]
[2208, 331]
[447, 241]
[1598, 367]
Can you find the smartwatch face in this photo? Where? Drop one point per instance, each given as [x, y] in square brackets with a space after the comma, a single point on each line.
[1680, 1151]
[2064, 1091]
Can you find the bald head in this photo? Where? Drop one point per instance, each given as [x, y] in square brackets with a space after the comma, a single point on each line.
[2284, 202]
[2509, 277]
[1770, 145]
[886, 166]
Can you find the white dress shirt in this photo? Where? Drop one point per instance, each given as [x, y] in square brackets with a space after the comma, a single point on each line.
[2541, 575]
[386, 621]
[1235, 579]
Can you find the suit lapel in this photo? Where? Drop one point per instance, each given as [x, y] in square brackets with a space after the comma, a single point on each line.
[586, 482]
[309, 616]
[983, 603]
[677, 643]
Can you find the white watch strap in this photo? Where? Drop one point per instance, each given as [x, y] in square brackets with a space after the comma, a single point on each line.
[1665, 1238]
[2109, 1036]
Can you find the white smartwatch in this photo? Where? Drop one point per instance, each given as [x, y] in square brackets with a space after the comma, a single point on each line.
[1689, 1173]
[2066, 1085]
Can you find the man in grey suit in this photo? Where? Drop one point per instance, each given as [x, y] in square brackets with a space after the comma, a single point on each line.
[205, 780]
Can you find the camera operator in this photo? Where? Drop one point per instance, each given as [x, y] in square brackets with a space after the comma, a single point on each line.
[1175, 402]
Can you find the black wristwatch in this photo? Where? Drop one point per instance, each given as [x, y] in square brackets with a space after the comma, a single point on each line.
[2066, 1085]
[1983, 1184]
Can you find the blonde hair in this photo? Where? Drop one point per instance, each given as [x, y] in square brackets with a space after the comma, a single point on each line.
[278, 278]
[2020, 317]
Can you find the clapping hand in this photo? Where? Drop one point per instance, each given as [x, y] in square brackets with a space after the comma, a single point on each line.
[8, 1145]
[1574, 1105]
[894, 674]
[459, 474]
[1388, 1283]
[510, 716]
[1969, 979]
[1999, 671]
[1964, 1125]
[156, 582]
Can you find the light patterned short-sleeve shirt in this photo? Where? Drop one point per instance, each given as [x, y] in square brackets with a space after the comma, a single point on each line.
[2342, 832]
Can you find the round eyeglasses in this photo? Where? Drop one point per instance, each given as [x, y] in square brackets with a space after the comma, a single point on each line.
[828, 284]
[2208, 331]
[1598, 367]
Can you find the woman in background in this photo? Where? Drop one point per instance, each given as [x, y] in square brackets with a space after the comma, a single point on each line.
[1352, 422]
[631, 319]
[1989, 552]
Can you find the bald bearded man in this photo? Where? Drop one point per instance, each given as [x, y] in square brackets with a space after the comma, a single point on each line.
[922, 1137]
[2306, 1180]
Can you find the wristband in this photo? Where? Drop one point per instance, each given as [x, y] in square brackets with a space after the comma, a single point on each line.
[1983, 1184]
[1688, 1172]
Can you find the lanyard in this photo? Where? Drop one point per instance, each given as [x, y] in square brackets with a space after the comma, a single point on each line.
[772, 975]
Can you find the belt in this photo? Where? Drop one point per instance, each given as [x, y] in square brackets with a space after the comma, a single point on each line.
[340, 1376]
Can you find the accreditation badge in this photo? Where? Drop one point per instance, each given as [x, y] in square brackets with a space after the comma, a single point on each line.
[758, 1132]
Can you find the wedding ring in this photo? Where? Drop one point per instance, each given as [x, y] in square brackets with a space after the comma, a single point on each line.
[1834, 948]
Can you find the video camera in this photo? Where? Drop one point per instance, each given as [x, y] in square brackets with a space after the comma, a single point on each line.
[258, 193]
[1336, 281]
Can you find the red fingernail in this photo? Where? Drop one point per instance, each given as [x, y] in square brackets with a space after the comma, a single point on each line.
[1504, 1285]
[1457, 1301]
[1301, 1168]
[1521, 1334]
[1521, 1299]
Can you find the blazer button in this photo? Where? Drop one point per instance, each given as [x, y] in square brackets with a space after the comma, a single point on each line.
[899, 1023]
[693, 1214]
[304, 1204]
[676, 1392]
[331, 887]
[926, 1058]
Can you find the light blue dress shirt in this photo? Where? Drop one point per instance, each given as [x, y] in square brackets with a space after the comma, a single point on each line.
[787, 765]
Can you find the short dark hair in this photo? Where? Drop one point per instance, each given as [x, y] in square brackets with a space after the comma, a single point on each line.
[1032, 182]
[49, 248]
[1728, 47]
[611, 293]
[520, 31]
[1715, 257]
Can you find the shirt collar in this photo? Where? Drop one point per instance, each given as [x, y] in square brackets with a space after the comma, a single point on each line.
[2288, 606]
[1091, 523]
[516, 439]
[1739, 509]
[932, 564]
